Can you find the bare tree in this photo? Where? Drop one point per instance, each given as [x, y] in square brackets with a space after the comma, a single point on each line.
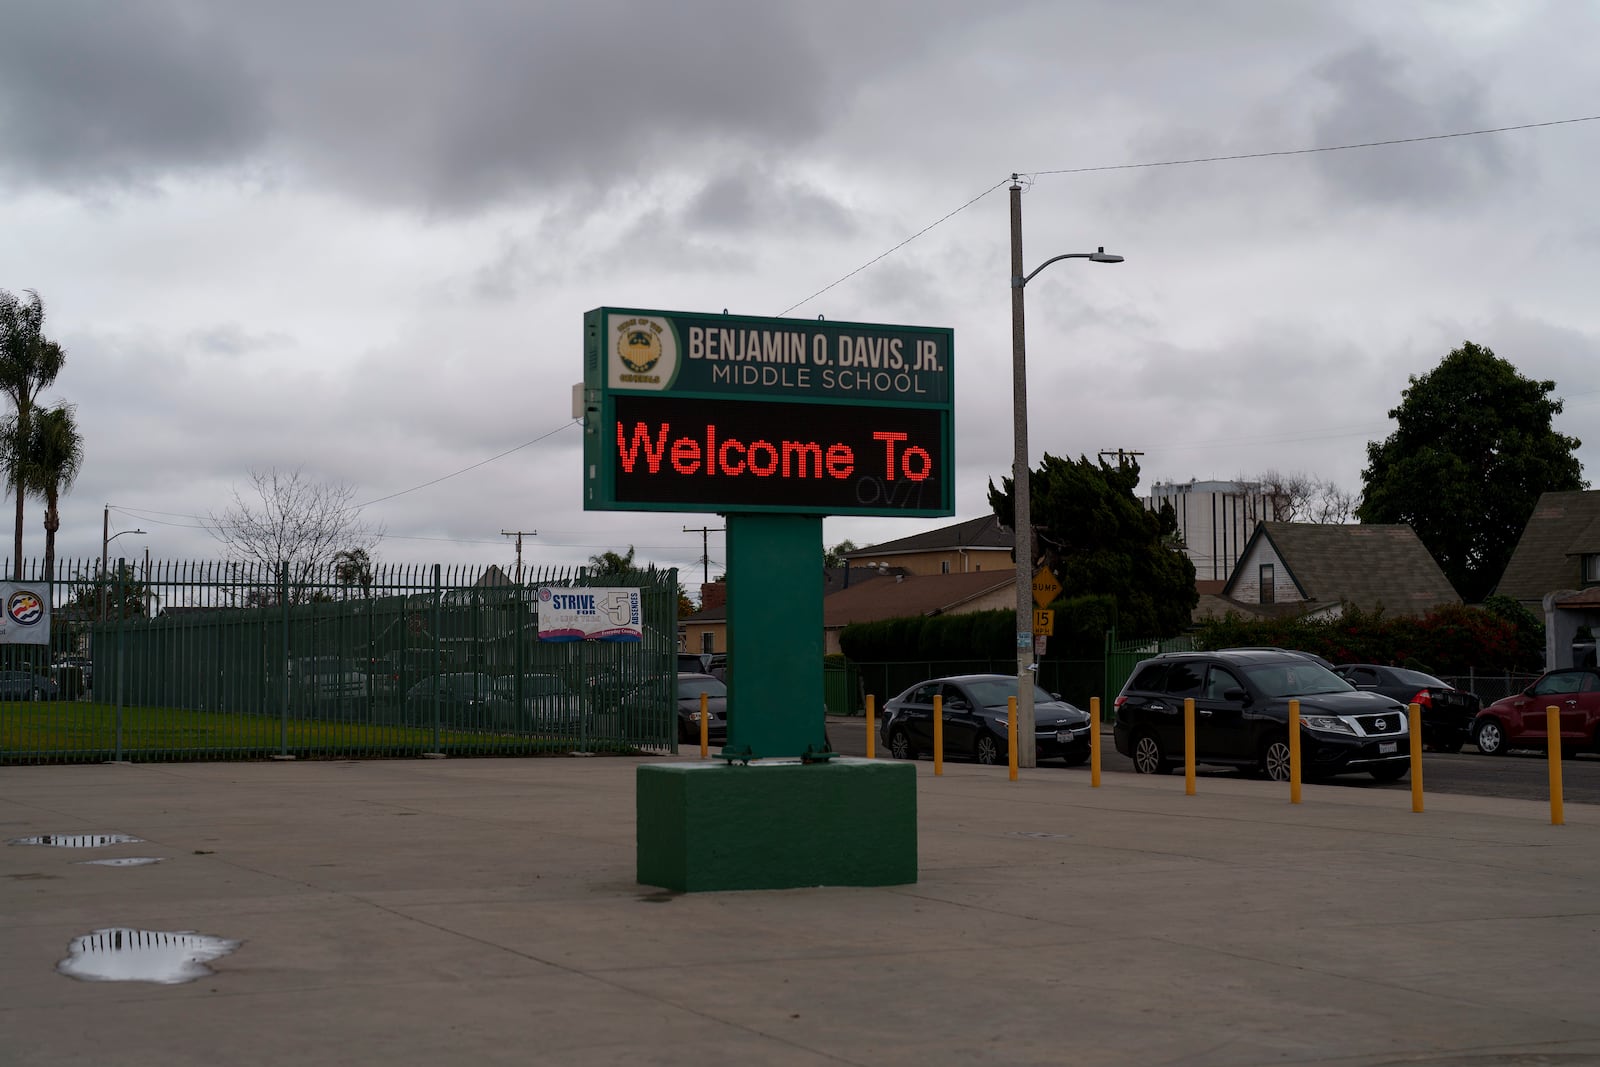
[1301, 497]
[287, 518]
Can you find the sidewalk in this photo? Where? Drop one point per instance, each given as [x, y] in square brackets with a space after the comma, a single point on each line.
[485, 912]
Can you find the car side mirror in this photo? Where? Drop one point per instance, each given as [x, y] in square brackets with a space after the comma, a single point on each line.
[1055, 696]
[1236, 694]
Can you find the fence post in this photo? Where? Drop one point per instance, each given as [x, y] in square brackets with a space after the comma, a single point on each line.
[438, 617]
[121, 656]
[283, 671]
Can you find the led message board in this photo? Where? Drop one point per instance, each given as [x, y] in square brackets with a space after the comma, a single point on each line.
[725, 414]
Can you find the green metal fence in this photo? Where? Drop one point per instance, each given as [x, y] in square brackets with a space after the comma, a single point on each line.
[172, 661]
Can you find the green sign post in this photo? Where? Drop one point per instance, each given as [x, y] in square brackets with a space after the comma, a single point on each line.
[771, 423]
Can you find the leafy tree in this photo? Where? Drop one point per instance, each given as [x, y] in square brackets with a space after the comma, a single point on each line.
[29, 363]
[1098, 539]
[117, 593]
[834, 557]
[685, 605]
[293, 521]
[353, 567]
[1472, 450]
[52, 457]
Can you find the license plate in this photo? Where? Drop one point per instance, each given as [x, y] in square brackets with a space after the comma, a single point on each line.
[1063, 735]
[1386, 747]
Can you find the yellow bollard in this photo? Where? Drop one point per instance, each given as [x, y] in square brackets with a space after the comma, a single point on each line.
[1552, 725]
[1188, 746]
[705, 727]
[938, 735]
[1011, 731]
[872, 728]
[1294, 751]
[1094, 742]
[1416, 757]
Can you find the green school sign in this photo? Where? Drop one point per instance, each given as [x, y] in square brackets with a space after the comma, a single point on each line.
[722, 413]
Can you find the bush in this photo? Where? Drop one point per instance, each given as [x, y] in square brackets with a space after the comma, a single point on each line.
[1447, 640]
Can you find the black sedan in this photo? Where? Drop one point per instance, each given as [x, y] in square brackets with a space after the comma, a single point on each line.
[975, 710]
[1447, 712]
[25, 685]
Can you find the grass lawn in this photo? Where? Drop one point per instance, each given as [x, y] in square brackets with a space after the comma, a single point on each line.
[86, 731]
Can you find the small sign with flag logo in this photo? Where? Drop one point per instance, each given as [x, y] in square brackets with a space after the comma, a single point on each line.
[26, 620]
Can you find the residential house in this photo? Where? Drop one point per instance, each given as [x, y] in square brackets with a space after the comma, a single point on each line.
[1555, 572]
[981, 544]
[707, 629]
[1314, 569]
[917, 594]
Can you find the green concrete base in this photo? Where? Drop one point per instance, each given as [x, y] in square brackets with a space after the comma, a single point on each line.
[712, 826]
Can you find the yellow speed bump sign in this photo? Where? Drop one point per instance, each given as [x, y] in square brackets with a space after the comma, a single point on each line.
[1045, 588]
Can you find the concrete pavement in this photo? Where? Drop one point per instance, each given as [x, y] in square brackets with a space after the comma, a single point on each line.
[485, 911]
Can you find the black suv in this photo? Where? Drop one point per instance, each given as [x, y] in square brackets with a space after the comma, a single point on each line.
[1241, 701]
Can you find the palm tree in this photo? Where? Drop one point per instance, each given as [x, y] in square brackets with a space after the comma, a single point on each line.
[53, 456]
[29, 364]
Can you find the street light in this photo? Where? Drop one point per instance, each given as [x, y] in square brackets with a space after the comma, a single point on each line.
[106, 537]
[1022, 524]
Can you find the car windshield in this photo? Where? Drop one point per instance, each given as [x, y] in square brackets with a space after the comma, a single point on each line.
[533, 685]
[691, 687]
[993, 692]
[1298, 679]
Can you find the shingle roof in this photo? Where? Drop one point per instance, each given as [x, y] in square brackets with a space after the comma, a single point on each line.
[912, 594]
[1367, 565]
[985, 533]
[1563, 528]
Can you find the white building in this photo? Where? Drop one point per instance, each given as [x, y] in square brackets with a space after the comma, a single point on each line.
[1215, 520]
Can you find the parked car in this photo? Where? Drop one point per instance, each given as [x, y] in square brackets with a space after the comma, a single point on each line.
[975, 714]
[25, 685]
[1447, 712]
[547, 700]
[712, 663]
[1520, 720]
[689, 688]
[1241, 702]
[466, 699]
[324, 681]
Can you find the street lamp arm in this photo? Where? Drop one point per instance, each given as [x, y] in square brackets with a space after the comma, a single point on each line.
[1100, 256]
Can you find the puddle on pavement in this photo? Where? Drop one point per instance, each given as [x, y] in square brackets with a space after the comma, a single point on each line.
[126, 861]
[76, 840]
[123, 954]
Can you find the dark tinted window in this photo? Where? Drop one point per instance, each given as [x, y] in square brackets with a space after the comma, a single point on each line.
[1184, 679]
[1218, 681]
[1417, 678]
[1360, 676]
[1152, 678]
[923, 694]
[1561, 682]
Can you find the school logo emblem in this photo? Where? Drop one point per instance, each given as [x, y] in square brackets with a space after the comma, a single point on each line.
[24, 608]
[644, 353]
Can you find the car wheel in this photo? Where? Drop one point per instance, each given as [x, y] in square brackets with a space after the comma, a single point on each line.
[1275, 759]
[986, 750]
[1490, 738]
[1148, 758]
[1390, 772]
[900, 745]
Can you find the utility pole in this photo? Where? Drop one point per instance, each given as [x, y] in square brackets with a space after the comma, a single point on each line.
[705, 533]
[1122, 454]
[518, 535]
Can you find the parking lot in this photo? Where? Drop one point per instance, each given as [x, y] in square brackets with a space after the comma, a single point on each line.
[486, 911]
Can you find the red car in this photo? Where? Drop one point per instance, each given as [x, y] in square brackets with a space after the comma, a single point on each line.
[1519, 721]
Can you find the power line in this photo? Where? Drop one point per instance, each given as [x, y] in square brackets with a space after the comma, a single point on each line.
[1189, 162]
[463, 470]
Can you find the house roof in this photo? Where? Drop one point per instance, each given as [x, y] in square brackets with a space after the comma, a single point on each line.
[1562, 526]
[1366, 565]
[912, 594]
[833, 579]
[984, 534]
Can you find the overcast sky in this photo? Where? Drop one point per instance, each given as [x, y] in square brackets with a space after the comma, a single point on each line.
[358, 237]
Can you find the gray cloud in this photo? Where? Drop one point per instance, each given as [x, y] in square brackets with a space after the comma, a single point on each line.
[1374, 96]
